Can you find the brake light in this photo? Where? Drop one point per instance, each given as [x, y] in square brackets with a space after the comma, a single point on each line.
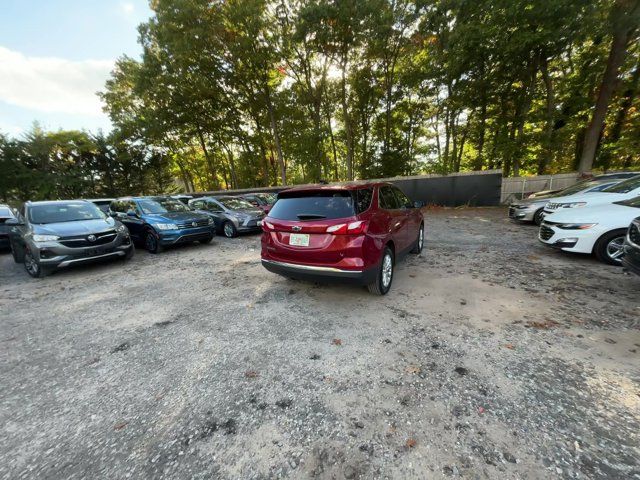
[353, 228]
[267, 227]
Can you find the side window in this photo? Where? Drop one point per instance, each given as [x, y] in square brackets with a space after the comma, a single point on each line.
[363, 199]
[131, 205]
[198, 204]
[213, 206]
[114, 206]
[403, 200]
[387, 199]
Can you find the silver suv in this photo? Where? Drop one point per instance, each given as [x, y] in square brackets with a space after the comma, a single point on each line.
[49, 235]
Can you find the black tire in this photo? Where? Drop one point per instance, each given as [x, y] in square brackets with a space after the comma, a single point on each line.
[17, 252]
[204, 241]
[537, 217]
[379, 287]
[419, 243]
[32, 267]
[608, 248]
[229, 229]
[152, 242]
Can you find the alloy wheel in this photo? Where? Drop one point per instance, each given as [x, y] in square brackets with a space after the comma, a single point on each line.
[387, 270]
[31, 265]
[615, 249]
[228, 230]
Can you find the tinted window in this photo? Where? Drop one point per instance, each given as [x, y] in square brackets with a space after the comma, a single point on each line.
[197, 204]
[579, 187]
[212, 206]
[363, 198]
[403, 200]
[64, 212]
[314, 205]
[387, 199]
[625, 187]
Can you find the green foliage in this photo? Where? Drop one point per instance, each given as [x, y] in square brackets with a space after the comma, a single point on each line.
[243, 93]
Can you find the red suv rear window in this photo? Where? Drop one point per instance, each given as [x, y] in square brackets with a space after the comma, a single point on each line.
[322, 204]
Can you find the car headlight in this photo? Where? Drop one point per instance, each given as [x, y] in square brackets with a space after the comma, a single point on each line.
[574, 204]
[121, 229]
[45, 238]
[165, 226]
[576, 226]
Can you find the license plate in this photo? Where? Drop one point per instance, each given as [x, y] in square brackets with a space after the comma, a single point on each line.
[299, 239]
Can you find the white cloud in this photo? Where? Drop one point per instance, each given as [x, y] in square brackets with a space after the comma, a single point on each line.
[50, 84]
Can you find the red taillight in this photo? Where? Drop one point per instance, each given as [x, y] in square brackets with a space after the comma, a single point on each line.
[267, 227]
[353, 228]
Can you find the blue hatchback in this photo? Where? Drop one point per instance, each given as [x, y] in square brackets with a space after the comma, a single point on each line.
[158, 222]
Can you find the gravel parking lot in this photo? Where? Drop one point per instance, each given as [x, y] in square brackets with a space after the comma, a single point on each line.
[491, 357]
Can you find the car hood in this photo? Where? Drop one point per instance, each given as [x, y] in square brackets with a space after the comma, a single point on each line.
[618, 216]
[593, 197]
[532, 201]
[171, 217]
[82, 227]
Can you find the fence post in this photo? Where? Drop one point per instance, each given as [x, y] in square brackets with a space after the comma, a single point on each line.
[524, 183]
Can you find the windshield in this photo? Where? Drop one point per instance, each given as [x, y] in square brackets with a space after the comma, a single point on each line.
[233, 203]
[624, 187]
[267, 198]
[579, 187]
[632, 202]
[64, 212]
[6, 213]
[162, 205]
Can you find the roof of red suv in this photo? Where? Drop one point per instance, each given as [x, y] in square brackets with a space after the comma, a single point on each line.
[335, 186]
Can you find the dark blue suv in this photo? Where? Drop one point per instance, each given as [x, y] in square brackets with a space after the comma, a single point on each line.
[157, 222]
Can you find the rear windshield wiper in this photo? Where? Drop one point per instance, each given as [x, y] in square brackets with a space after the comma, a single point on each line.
[309, 216]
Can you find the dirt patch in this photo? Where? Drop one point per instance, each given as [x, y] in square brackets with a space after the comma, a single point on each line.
[491, 357]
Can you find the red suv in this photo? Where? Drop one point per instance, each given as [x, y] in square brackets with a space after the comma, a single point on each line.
[353, 233]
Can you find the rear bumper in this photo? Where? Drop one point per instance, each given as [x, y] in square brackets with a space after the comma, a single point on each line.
[317, 273]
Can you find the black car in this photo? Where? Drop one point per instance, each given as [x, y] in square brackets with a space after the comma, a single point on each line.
[157, 222]
[6, 213]
[631, 258]
[50, 235]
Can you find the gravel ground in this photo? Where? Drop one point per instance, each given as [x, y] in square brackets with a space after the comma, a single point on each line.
[492, 357]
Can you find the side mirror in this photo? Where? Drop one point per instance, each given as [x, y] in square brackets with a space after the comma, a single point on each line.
[14, 222]
[132, 213]
[418, 204]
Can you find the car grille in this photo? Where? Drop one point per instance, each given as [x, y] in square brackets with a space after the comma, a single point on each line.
[512, 212]
[80, 241]
[198, 223]
[545, 232]
[634, 233]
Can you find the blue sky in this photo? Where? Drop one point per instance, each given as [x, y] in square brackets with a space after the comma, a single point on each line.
[54, 56]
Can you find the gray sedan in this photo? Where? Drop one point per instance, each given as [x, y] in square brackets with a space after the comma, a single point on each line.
[231, 214]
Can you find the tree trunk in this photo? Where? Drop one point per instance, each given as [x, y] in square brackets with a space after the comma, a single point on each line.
[547, 154]
[210, 165]
[276, 135]
[348, 129]
[625, 16]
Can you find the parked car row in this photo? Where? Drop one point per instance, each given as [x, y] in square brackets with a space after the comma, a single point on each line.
[599, 217]
[48, 235]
